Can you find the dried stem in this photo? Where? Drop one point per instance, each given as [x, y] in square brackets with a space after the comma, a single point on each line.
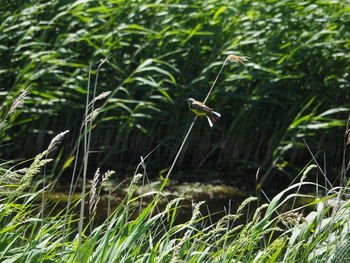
[230, 58]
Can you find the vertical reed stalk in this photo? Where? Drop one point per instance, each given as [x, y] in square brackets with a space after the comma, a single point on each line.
[231, 58]
[85, 165]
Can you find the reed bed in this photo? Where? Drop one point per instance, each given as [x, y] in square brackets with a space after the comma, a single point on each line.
[161, 53]
[279, 230]
[153, 56]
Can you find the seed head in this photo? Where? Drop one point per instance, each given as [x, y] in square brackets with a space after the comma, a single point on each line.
[56, 141]
[237, 59]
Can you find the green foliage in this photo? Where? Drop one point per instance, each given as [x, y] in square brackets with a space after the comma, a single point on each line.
[162, 52]
[295, 85]
[130, 234]
[140, 232]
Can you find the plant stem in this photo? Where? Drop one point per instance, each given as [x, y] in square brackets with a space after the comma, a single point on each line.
[194, 120]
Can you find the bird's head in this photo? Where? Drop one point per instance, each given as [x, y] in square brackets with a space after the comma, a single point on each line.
[190, 100]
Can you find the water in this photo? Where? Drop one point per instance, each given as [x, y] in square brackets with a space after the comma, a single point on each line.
[220, 199]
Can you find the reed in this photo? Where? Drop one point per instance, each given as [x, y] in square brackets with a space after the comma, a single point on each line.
[295, 84]
[276, 231]
[153, 55]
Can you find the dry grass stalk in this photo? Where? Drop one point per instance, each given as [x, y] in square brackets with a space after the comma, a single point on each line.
[106, 176]
[56, 141]
[229, 58]
[91, 116]
[103, 61]
[19, 101]
[237, 59]
[106, 182]
[100, 97]
[94, 196]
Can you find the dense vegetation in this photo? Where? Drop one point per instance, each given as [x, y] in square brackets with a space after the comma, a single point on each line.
[139, 232]
[159, 53]
[116, 74]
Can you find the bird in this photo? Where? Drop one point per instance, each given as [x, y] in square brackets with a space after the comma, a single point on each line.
[201, 109]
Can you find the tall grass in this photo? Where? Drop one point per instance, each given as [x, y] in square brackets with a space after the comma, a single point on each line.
[158, 54]
[284, 229]
[313, 232]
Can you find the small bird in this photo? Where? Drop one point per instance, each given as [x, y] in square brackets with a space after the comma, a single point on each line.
[201, 109]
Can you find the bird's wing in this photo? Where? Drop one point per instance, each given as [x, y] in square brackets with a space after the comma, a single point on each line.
[201, 107]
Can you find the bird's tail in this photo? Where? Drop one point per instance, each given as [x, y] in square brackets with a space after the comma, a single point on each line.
[217, 115]
[210, 121]
[213, 117]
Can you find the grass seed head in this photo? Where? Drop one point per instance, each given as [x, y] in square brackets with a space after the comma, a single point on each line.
[19, 101]
[94, 197]
[101, 96]
[56, 141]
[237, 59]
